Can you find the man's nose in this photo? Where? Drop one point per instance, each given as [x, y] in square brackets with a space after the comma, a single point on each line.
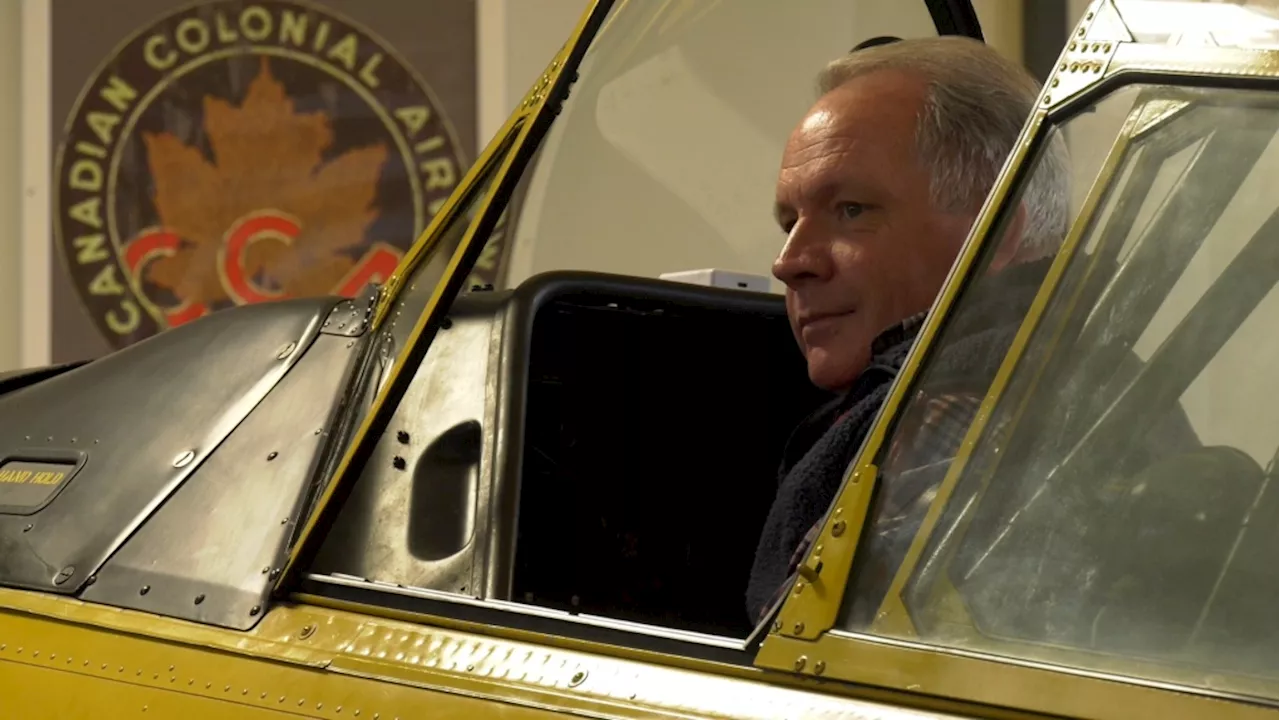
[805, 256]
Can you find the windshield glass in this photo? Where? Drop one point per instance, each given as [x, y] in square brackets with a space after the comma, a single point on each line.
[665, 156]
[1113, 504]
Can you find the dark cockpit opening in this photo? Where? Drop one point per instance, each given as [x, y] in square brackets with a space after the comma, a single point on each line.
[654, 422]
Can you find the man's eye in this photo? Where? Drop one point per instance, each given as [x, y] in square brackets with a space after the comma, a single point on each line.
[849, 210]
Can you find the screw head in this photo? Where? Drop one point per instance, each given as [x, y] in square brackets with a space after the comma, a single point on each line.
[798, 628]
[64, 574]
[819, 667]
[184, 459]
[800, 662]
[286, 350]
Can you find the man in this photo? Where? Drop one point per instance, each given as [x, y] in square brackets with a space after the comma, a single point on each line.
[878, 188]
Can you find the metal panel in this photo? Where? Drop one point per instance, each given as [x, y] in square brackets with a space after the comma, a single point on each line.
[418, 515]
[146, 417]
[211, 552]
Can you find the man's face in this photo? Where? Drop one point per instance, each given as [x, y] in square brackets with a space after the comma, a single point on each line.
[865, 247]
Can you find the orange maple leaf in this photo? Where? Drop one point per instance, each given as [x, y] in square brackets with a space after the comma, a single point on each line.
[266, 157]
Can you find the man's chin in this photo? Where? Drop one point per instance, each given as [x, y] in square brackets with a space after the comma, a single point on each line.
[830, 375]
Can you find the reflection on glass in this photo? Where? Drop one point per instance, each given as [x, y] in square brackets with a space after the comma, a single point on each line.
[971, 345]
[1246, 23]
[667, 151]
[1114, 506]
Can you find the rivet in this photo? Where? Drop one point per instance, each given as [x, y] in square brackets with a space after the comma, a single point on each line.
[446, 324]
[226, 688]
[307, 632]
[1106, 47]
[800, 661]
[200, 598]
[208, 685]
[577, 678]
[73, 441]
[399, 463]
[49, 439]
[1097, 47]
[281, 699]
[287, 349]
[350, 344]
[173, 678]
[263, 696]
[1080, 32]
[338, 709]
[170, 668]
[838, 528]
[144, 589]
[64, 574]
[1075, 67]
[266, 569]
[27, 527]
[1072, 47]
[403, 437]
[799, 587]
[798, 627]
[253, 611]
[184, 459]
[1054, 83]
[319, 705]
[300, 701]
[1047, 100]
[819, 667]
[36, 654]
[191, 681]
[244, 691]
[26, 437]
[272, 455]
[777, 625]
[274, 574]
[1088, 15]
[90, 580]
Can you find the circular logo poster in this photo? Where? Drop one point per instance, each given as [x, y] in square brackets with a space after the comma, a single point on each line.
[235, 153]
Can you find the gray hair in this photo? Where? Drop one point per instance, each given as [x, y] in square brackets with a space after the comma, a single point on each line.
[973, 113]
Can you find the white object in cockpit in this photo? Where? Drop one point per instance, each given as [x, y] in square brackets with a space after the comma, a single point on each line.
[720, 278]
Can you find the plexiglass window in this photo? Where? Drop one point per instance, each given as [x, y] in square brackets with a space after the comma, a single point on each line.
[1106, 496]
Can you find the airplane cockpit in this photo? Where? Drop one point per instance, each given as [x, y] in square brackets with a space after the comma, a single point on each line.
[530, 428]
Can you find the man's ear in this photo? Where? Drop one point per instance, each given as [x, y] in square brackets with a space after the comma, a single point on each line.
[1010, 241]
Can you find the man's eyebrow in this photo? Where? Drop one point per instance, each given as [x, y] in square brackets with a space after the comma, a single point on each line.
[780, 211]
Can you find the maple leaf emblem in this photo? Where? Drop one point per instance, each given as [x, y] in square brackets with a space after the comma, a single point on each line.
[266, 158]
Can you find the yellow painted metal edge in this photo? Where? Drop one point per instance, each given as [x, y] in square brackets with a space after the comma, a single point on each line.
[520, 123]
[334, 644]
[997, 682]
